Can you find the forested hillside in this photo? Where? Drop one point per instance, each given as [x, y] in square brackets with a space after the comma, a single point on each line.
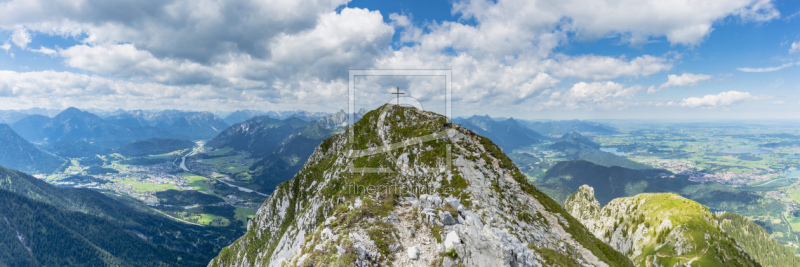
[757, 242]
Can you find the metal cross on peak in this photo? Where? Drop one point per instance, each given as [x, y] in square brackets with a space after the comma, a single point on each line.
[397, 94]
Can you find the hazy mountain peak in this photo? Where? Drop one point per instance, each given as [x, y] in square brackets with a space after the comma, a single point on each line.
[73, 112]
[18, 153]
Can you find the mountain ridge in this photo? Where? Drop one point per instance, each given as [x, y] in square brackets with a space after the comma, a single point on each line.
[18, 153]
[313, 219]
[658, 229]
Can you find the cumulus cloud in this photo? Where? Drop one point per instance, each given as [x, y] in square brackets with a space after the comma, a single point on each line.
[603, 67]
[583, 93]
[21, 37]
[795, 47]
[126, 61]
[64, 89]
[284, 51]
[350, 39]
[683, 80]
[681, 21]
[767, 69]
[199, 31]
[722, 99]
[45, 50]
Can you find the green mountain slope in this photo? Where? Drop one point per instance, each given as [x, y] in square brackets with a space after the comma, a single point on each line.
[258, 136]
[126, 214]
[286, 159]
[18, 153]
[38, 234]
[757, 242]
[483, 213]
[659, 229]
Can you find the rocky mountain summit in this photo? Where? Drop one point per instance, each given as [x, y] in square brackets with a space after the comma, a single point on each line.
[658, 229]
[406, 187]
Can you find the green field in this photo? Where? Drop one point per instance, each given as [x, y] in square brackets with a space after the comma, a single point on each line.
[794, 222]
[197, 182]
[229, 164]
[208, 219]
[222, 151]
[795, 194]
[144, 186]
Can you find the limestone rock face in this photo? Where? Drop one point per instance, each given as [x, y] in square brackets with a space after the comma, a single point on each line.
[658, 229]
[387, 191]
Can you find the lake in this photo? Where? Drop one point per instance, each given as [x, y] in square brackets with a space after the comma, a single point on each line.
[793, 173]
[612, 150]
[745, 151]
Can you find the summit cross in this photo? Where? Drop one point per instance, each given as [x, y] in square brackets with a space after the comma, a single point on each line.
[398, 93]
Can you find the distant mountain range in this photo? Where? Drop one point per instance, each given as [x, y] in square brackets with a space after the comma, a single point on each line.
[51, 226]
[557, 128]
[509, 134]
[300, 114]
[12, 116]
[18, 153]
[246, 114]
[258, 136]
[242, 115]
[174, 123]
[73, 125]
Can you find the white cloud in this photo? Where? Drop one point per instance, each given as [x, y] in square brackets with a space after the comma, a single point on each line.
[683, 80]
[768, 69]
[21, 37]
[286, 51]
[45, 50]
[681, 21]
[202, 31]
[64, 89]
[603, 67]
[602, 94]
[351, 39]
[795, 47]
[126, 61]
[722, 99]
[6, 47]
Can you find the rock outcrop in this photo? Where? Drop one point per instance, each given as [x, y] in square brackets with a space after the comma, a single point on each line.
[658, 229]
[407, 188]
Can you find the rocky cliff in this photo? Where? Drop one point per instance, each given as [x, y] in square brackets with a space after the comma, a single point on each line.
[405, 187]
[658, 229]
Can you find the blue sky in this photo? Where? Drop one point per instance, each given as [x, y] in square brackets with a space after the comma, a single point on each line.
[536, 59]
